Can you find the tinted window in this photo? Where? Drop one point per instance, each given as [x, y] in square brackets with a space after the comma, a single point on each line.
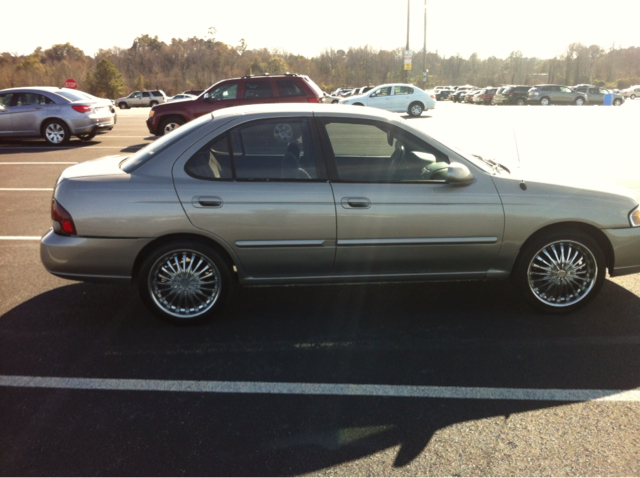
[211, 162]
[27, 99]
[274, 150]
[258, 89]
[378, 152]
[72, 95]
[5, 99]
[289, 88]
[145, 94]
[157, 93]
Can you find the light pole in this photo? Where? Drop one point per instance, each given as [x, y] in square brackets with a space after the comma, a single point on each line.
[425, 78]
[406, 72]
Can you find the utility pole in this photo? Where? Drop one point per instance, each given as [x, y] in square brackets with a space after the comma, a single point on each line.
[406, 72]
[425, 78]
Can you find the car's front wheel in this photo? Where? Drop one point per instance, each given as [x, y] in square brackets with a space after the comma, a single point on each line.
[56, 132]
[168, 125]
[561, 271]
[520, 101]
[184, 282]
[544, 101]
[580, 101]
[415, 109]
[633, 97]
[123, 106]
[617, 102]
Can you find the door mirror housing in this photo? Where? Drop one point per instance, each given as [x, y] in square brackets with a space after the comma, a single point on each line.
[459, 175]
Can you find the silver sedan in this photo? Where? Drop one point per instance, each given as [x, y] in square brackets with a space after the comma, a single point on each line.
[296, 193]
[55, 114]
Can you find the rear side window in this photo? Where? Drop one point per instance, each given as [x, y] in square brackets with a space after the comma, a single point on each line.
[71, 95]
[507, 90]
[267, 150]
[28, 99]
[288, 88]
[258, 89]
[5, 99]
[145, 94]
[404, 90]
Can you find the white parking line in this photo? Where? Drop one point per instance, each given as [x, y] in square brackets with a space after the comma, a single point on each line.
[281, 388]
[45, 162]
[26, 189]
[20, 238]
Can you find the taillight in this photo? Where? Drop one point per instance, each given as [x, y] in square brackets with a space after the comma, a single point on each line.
[432, 96]
[62, 220]
[314, 100]
[82, 108]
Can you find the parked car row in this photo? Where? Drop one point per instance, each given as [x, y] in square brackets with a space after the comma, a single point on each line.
[537, 95]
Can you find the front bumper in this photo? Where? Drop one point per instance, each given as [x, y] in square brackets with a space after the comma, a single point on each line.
[90, 259]
[626, 250]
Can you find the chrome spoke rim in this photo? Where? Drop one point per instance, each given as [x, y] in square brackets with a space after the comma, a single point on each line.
[184, 283]
[562, 273]
[54, 133]
[170, 127]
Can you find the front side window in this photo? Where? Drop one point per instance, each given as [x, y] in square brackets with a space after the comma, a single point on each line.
[5, 99]
[267, 150]
[403, 90]
[135, 94]
[257, 89]
[365, 151]
[564, 89]
[226, 91]
[386, 91]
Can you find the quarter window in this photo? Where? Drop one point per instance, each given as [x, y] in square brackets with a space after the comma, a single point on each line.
[289, 88]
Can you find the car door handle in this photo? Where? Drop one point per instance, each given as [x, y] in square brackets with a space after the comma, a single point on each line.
[207, 201]
[352, 203]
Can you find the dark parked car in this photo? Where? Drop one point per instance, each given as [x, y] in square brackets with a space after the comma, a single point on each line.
[512, 95]
[555, 94]
[458, 95]
[443, 95]
[248, 90]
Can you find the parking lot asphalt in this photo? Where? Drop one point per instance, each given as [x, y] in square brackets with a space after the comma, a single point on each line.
[358, 380]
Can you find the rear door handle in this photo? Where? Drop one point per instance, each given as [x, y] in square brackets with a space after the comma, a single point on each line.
[359, 203]
[207, 201]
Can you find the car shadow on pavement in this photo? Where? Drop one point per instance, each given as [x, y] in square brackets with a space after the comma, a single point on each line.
[33, 146]
[435, 334]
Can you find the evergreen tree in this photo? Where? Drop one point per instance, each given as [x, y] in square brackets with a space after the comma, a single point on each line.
[107, 80]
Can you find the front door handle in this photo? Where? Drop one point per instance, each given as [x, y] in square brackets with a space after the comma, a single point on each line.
[353, 203]
[207, 201]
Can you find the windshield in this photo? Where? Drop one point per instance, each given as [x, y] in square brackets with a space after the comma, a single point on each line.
[145, 154]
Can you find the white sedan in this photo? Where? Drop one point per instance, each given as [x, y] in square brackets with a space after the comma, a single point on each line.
[181, 96]
[395, 97]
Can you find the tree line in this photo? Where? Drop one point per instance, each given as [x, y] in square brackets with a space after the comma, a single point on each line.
[197, 63]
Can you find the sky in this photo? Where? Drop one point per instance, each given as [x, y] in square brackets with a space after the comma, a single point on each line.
[540, 28]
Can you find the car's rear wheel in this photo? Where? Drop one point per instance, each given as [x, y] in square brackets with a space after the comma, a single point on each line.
[561, 271]
[153, 103]
[56, 132]
[579, 101]
[633, 97]
[520, 101]
[617, 102]
[544, 101]
[184, 282]
[168, 125]
[415, 109]
[123, 106]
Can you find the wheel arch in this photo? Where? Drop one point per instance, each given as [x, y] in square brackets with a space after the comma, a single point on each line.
[48, 120]
[588, 229]
[149, 248]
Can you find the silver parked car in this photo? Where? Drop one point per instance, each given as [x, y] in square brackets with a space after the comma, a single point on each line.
[54, 114]
[142, 98]
[310, 193]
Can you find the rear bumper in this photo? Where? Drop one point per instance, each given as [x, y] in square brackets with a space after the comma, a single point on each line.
[91, 124]
[626, 250]
[90, 259]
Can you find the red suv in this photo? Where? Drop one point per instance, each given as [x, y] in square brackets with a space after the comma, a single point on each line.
[247, 90]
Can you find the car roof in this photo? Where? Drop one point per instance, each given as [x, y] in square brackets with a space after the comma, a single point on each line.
[50, 89]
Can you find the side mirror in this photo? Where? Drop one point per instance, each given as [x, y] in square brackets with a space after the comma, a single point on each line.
[459, 175]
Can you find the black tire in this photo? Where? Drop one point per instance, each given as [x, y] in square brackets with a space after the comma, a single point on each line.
[560, 272]
[415, 109]
[168, 125]
[521, 101]
[123, 106]
[153, 103]
[633, 97]
[334, 102]
[87, 136]
[617, 102]
[174, 290]
[358, 104]
[580, 101]
[545, 101]
[56, 132]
